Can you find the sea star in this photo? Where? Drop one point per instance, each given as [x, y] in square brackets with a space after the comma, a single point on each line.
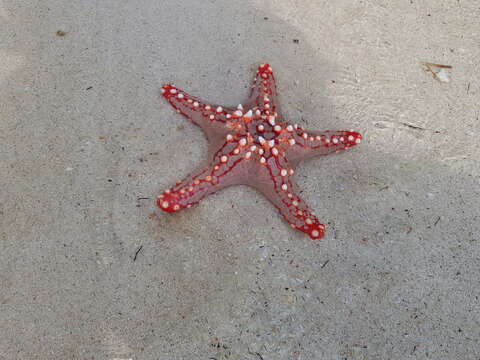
[252, 145]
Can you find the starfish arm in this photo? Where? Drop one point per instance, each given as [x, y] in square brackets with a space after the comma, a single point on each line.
[264, 90]
[308, 144]
[276, 183]
[209, 117]
[224, 168]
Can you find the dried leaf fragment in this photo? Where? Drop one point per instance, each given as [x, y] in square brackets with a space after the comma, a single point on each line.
[438, 71]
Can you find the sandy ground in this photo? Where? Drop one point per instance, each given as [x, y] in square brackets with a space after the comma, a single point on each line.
[85, 134]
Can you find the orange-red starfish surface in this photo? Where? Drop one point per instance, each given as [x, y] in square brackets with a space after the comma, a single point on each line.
[252, 144]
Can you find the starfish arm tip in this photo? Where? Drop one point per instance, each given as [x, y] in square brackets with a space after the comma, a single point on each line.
[316, 231]
[264, 68]
[352, 138]
[168, 91]
[168, 203]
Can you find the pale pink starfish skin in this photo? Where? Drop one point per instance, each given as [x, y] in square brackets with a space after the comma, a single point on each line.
[252, 145]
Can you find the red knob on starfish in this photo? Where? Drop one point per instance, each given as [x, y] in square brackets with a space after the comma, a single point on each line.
[252, 145]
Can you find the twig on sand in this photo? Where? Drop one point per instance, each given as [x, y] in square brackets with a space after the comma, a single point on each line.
[136, 252]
